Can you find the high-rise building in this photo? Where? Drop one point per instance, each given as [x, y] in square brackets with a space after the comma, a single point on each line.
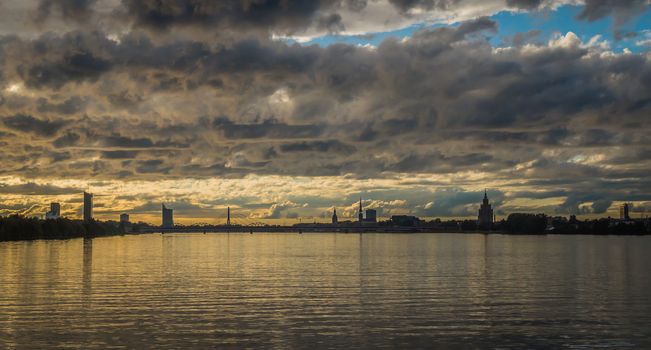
[334, 217]
[124, 218]
[168, 217]
[88, 206]
[360, 216]
[486, 217]
[55, 211]
[228, 216]
[371, 215]
[624, 212]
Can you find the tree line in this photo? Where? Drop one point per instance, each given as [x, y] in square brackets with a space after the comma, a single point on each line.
[16, 227]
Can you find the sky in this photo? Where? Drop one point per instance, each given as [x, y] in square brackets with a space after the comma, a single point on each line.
[284, 110]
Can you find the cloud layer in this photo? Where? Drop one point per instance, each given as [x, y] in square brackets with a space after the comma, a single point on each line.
[204, 90]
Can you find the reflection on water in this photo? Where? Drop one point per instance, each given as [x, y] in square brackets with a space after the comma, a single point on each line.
[87, 272]
[326, 290]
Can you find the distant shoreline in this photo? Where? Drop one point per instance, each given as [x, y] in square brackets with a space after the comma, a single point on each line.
[18, 228]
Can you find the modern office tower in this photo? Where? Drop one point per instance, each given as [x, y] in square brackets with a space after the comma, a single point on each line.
[55, 211]
[371, 215]
[124, 218]
[168, 219]
[228, 216]
[485, 218]
[361, 212]
[334, 217]
[624, 213]
[88, 206]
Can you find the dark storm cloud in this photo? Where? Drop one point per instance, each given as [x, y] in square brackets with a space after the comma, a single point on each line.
[572, 204]
[331, 23]
[71, 105]
[267, 129]
[119, 154]
[333, 146]
[622, 9]
[74, 66]
[66, 140]
[550, 137]
[286, 16]
[29, 124]
[77, 10]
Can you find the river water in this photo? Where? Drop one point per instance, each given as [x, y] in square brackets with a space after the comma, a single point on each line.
[279, 291]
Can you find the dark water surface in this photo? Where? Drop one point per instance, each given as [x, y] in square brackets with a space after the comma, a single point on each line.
[327, 291]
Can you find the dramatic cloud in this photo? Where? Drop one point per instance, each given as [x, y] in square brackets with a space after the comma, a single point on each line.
[189, 92]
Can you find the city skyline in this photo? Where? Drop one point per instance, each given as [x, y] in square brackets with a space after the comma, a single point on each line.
[364, 216]
[284, 112]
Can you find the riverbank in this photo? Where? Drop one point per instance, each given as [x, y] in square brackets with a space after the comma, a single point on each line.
[18, 228]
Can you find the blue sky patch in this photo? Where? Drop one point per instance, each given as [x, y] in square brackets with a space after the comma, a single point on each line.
[546, 24]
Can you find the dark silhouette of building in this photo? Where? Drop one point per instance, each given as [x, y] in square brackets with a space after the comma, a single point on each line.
[168, 217]
[88, 206]
[124, 218]
[335, 220]
[485, 218]
[360, 216]
[228, 216]
[55, 211]
[371, 216]
[624, 212]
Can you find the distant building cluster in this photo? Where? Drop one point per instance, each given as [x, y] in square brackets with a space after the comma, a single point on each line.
[486, 219]
[365, 216]
[55, 211]
[371, 215]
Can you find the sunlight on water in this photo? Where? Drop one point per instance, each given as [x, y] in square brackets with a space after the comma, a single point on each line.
[326, 290]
